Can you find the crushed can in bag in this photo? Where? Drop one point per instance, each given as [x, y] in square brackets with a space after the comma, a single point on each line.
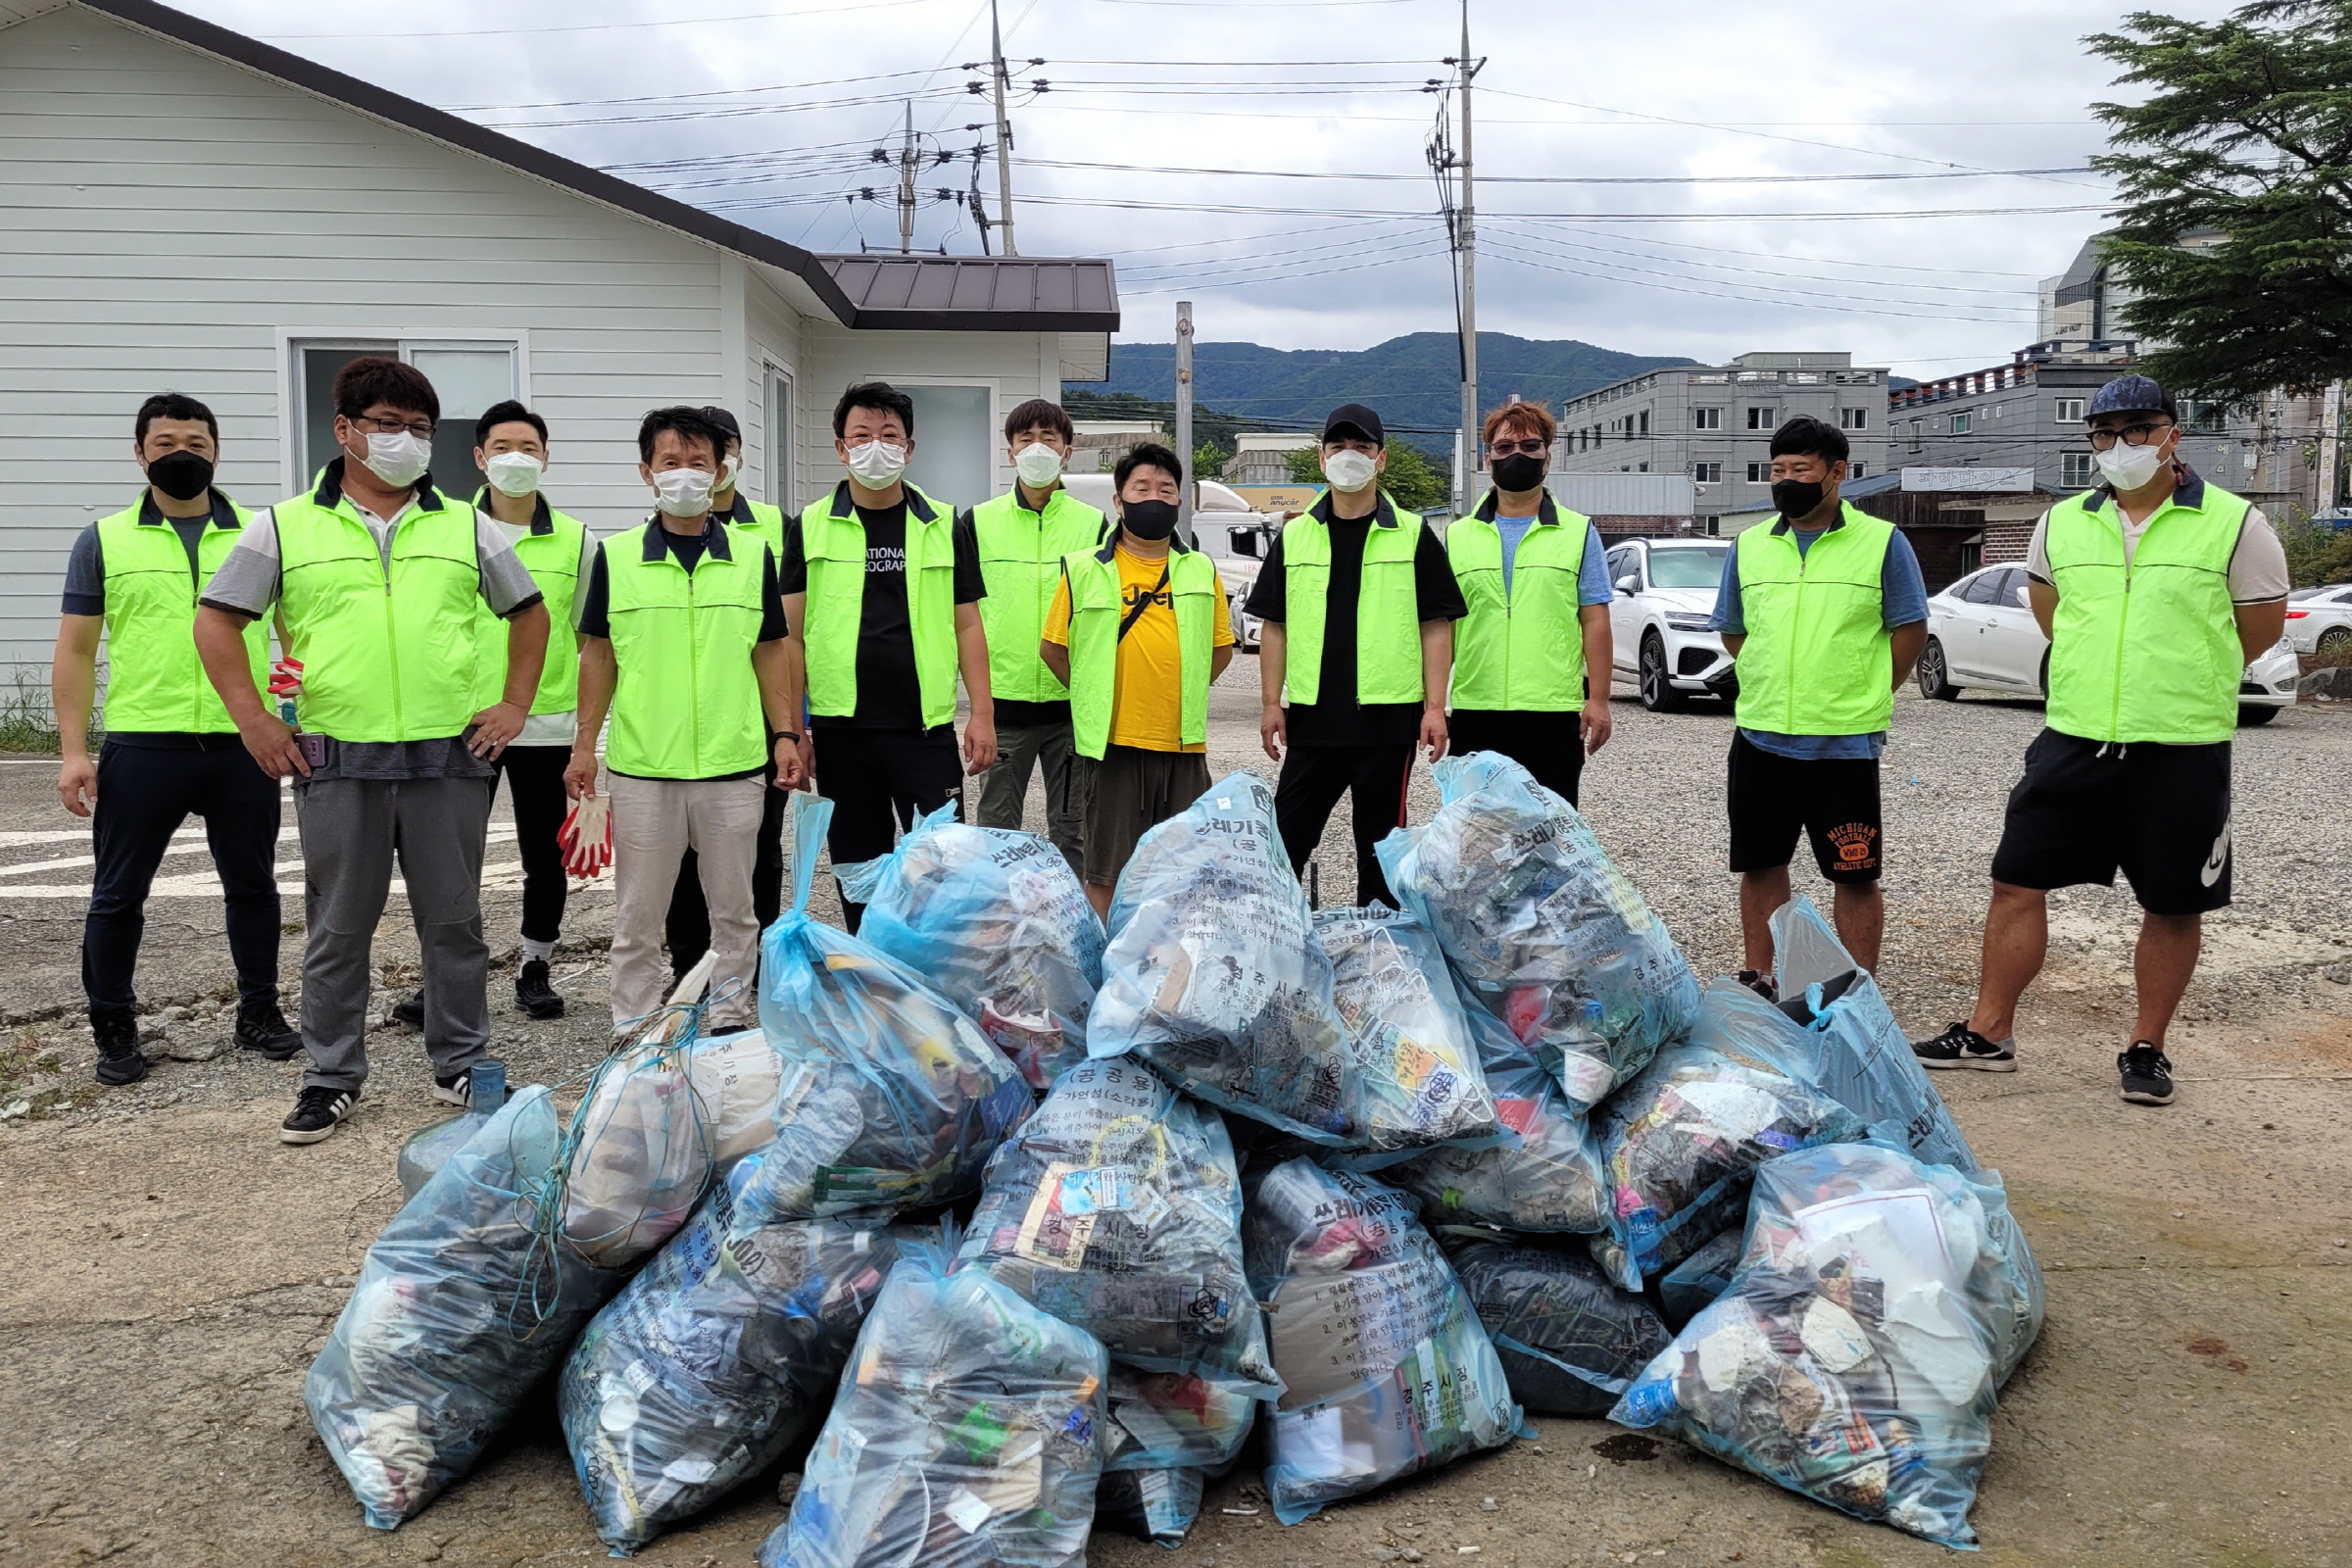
[1570, 1341]
[999, 924]
[1387, 1370]
[1857, 1358]
[966, 1434]
[1415, 1047]
[1553, 937]
[1213, 976]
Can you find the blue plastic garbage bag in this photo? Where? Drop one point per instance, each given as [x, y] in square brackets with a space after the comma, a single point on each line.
[889, 1098]
[1855, 1052]
[966, 1434]
[1570, 1341]
[1387, 1371]
[641, 1149]
[1415, 1047]
[467, 1299]
[1213, 975]
[1551, 936]
[1696, 1281]
[1880, 1304]
[999, 924]
[1155, 1505]
[1681, 1140]
[714, 1359]
[1543, 1175]
[1117, 1208]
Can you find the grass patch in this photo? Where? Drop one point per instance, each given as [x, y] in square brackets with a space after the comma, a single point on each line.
[26, 722]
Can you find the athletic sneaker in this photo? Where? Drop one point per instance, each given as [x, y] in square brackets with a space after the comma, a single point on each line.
[533, 993]
[409, 1010]
[454, 1091]
[1763, 985]
[318, 1111]
[120, 1060]
[263, 1030]
[2147, 1074]
[1962, 1047]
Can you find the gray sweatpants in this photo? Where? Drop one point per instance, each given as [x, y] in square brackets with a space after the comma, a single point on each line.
[1005, 787]
[351, 831]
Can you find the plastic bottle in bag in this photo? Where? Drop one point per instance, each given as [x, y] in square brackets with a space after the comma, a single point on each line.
[1415, 1047]
[997, 923]
[428, 1151]
[1570, 1341]
[642, 1150]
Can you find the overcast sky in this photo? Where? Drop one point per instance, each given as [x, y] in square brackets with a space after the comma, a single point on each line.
[768, 111]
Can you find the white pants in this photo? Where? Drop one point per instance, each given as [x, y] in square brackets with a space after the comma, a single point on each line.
[654, 823]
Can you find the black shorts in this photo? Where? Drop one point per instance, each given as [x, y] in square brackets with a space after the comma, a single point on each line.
[1833, 800]
[1128, 793]
[2158, 814]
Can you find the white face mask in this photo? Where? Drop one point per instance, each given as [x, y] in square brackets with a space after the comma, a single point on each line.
[1349, 470]
[1038, 464]
[400, 458]
[2130, 468]
[683, 492]
[727, 472]
[878, 464]
[514, 473]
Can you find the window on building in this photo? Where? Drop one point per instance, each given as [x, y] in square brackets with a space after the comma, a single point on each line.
[1857, 471]
[2075, 469]
[1714, 524]
[1761, 419]
[1707, 418]
[1707, 472]
[1643, 417]
[955, 443]
[1759, 474]
[467, 375]
[1916, 426]
[1854, 418]
[2203, 415]
[778, 410]
[2069, 411]
[1962, 421]
[1641, 468]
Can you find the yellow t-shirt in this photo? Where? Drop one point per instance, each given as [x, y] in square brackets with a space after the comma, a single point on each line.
[1146, 699]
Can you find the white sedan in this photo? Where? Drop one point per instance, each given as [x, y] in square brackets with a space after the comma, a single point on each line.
[2319, 620]
[1981, 634]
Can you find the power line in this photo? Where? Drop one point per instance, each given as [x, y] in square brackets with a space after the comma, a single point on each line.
[1562, 179]
[1137, 204]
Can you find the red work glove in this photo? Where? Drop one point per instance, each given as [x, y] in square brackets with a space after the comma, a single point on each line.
[586, 838]
[285, 677]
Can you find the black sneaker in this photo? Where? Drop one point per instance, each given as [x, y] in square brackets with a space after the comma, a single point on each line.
[532, 992]
[409, 1010]
[318, 1111]
[1962, 1047]
[263, 1030]
[120, 1060]
[1763, 985]
[2147, 1074]
[454, 1091]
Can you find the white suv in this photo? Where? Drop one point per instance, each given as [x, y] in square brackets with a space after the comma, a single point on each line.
[1665, 595]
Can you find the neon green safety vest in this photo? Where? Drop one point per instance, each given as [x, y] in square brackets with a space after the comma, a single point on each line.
[833, 542]
[550, 554]
[2145, 649]
[759, 519]
[1521, 649]
[1021, 559]
[1098, 606]
[1818, 658]
[388, 645]
[686, 704]
[1387, 617]
[154, 680]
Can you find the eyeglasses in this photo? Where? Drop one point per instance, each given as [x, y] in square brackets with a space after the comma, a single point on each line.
[422, 429]
[2134, 435]
[1505, 448]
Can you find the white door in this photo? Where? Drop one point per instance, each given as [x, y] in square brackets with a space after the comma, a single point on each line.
[2012, 640]
[1962, 624]
[1624, 613]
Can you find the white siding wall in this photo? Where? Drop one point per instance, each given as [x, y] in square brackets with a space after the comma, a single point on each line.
[773, 334]
[165, 220]
[1016, 366]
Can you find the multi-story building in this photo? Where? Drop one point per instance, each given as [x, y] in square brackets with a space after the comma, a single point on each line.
[1714, 424]
[1263, 457]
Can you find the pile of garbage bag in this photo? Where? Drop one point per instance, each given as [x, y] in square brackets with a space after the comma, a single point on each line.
[999, 924]
[1681, 1140]
[1387, 1370]
[1690, 1286]
[1570, 1341]
[1553, 937]
[714, 1359]
[1880, 1304]
[1117, 1208]
[889, 1098]
[966, 1434]
[467, 1299]
[639, 1150]
[1213, 976]
[1414, 1043]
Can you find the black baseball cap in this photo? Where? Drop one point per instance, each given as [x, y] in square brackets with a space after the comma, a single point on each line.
[725, 420]
[1354, 419]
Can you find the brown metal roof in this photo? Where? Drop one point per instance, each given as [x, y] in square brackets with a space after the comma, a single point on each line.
[952, 292]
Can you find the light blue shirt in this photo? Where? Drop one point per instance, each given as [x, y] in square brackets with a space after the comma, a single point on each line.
[1593, 575]
[1903, 602]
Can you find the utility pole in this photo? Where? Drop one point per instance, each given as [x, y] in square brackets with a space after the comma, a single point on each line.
[1469, 243]
[906, 183]
[996, 40]
[1184, 418]
[2332, 431]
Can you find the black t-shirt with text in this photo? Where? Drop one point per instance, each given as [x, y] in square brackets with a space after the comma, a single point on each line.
[888, 694]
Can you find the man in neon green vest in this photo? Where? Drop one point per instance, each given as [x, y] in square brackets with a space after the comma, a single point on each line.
[1137, 630]
[1823, 612]
[375, 574]
[882, 587]
[1022, 537]
[1358, 602]
[2155, 589]
[171, 748]
[683, 645]
[1532, 572]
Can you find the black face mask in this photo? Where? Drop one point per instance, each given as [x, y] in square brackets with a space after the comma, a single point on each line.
[1148, 519]
[1517, 473]
[1794, 498]
[182, 475]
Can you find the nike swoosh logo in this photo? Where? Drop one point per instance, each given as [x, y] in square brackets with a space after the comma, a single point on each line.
[2217, 859]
